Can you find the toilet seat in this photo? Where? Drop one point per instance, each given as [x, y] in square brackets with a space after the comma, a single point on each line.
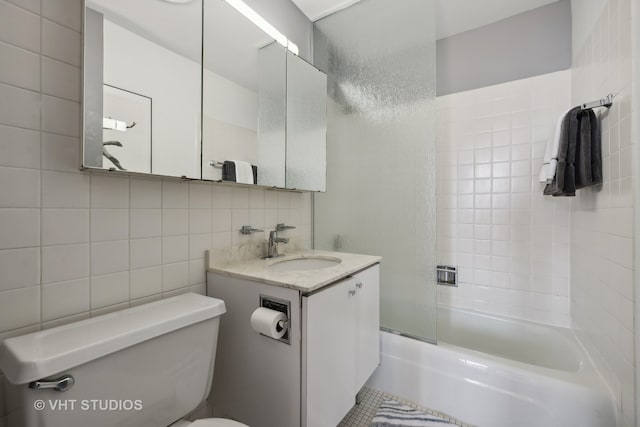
[216, 422]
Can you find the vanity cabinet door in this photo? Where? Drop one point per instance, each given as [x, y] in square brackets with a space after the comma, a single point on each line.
[367, 324]
[330, 353]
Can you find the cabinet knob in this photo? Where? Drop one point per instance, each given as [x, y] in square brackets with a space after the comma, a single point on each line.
[352, 292]
[359, 285]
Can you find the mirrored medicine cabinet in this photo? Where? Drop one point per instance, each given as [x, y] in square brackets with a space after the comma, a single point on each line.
[186, 89]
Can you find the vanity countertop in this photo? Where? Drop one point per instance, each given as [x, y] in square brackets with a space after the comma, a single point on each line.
[305, 281]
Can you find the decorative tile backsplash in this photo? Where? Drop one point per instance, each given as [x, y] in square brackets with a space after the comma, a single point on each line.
[510, 244]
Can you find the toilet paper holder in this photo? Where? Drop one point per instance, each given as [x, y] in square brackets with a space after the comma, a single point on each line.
[283, 306]
[284, 324]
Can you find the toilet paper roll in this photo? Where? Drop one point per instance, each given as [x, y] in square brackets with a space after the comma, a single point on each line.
[269, 322]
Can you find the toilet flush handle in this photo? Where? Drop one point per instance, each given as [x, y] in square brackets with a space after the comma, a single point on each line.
[63, 383]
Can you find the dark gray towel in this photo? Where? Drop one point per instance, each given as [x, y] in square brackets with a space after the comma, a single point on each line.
[580, 154]
[229, 171]
[589, 156]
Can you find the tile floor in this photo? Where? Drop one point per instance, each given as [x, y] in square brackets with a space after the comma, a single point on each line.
[362, 414]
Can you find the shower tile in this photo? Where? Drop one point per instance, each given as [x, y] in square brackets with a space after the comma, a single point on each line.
[501, 138]
[464, 172]
[482, 201]
[482, 186]
[465, 157]
[501, 185]
[500, 217]
[501, 154]
[504, 199]
[483, 171]
[501, 170]
[482, 155]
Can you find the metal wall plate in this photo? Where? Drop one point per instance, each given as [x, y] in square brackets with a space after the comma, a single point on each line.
[283, 306]
[447, 275]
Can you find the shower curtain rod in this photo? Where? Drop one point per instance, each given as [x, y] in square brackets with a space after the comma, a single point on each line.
[604, 102]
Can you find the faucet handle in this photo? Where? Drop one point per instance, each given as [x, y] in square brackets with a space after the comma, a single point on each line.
[247, 229]
[281, 227]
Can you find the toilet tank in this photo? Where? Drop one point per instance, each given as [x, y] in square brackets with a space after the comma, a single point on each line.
[145, 366]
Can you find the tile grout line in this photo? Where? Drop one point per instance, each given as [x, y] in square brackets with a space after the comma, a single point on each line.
[41, 179]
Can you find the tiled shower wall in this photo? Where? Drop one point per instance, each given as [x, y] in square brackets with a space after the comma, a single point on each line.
[74, 244]
[602, 228]
[510, 243]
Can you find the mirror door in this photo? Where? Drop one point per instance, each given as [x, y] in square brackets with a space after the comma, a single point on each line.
[231, 98]
[142, 91]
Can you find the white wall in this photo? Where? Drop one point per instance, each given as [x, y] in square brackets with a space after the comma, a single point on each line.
[510, 243]
[75, 244]
[513, 48]
[602, 228]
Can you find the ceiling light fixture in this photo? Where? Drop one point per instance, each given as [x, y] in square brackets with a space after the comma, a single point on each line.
[262, 23]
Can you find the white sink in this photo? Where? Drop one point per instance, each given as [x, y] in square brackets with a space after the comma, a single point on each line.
[304, 263]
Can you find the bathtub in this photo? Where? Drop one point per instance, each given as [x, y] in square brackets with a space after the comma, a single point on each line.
[497, 372]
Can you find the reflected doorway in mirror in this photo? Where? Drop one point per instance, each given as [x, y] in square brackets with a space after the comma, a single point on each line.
[126, 130]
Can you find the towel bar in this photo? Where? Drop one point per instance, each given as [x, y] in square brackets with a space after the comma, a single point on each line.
[604, 102]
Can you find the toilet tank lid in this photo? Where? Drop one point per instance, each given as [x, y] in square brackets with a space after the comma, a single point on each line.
[41, 354]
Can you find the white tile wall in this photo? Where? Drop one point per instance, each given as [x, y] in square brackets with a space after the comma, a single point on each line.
[510, 243]
[75, 244]
[602, 229]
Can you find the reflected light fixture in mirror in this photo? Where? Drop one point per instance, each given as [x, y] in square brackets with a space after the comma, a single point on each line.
[262, 23]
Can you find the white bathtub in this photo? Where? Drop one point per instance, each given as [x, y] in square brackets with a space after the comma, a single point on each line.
[497, 372]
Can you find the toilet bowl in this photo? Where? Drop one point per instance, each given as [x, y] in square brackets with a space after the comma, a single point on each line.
[145, 366]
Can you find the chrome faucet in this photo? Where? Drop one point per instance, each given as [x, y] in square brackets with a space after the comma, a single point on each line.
[272, 246]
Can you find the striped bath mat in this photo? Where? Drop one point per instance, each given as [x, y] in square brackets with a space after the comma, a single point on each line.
[396, 414]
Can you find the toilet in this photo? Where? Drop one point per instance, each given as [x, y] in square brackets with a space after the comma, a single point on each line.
[146, 366]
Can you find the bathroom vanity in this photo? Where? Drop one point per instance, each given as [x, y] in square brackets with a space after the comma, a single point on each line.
[310, 376]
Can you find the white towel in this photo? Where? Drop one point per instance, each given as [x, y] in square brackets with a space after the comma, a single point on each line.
[548, 170]
[244, 172]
